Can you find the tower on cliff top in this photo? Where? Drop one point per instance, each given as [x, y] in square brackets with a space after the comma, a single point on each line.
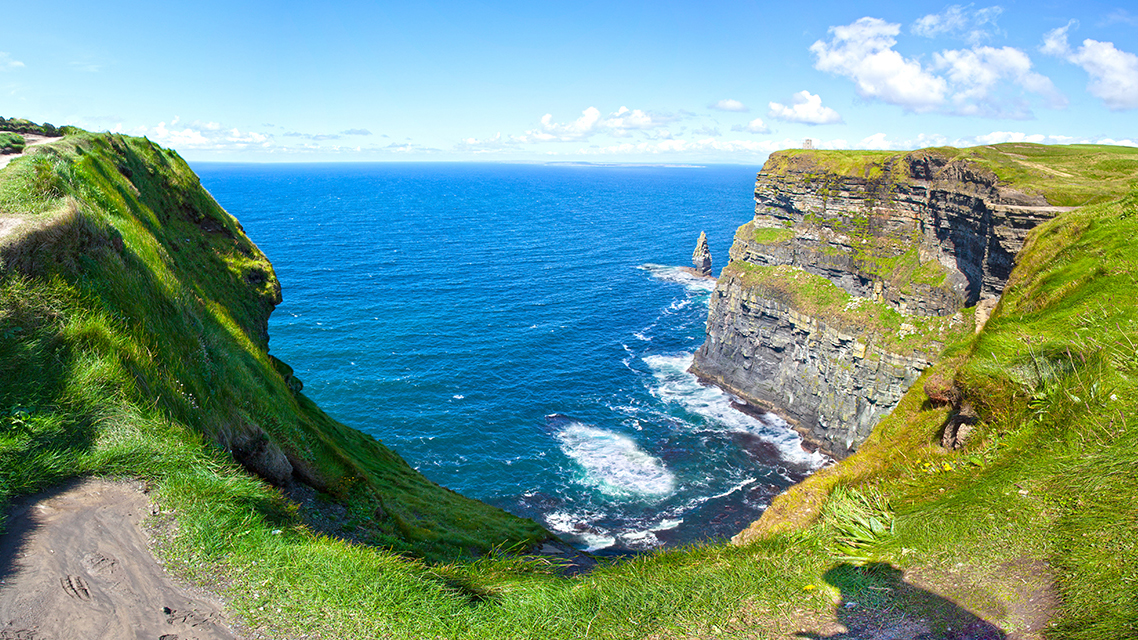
[701, 257]
[808, 144]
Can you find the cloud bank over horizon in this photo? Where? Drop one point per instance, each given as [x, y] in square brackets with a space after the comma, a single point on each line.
[891, 78]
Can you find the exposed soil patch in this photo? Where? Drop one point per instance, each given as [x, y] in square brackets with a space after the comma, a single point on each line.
[74, 563]
[8, 224]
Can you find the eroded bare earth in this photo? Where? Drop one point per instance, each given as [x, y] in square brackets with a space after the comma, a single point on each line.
[74, 563]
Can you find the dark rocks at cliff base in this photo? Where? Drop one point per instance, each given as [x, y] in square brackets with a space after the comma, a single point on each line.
[701, 257]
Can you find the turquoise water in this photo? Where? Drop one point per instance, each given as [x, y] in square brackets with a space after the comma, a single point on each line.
[521, 333]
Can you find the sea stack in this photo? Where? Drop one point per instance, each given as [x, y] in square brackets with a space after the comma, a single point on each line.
[701, 257]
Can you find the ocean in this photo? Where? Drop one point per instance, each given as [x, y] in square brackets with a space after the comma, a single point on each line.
[521, 334]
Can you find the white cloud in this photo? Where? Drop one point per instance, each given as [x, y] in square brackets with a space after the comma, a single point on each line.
[7, 63]
[625, 120]
[807, 109]
[493, 144]
[1113, 72]
[997, 137]
[934, 24]
[876, 141]
[579, 129]
[717, 147]
[729, 105]
[976, 76]
[1121, 143]
[621, 123]
[974, 26]
[883, 142]
[863, 51]
[315, 137]
[204, 136]
[978, 81]
[1055, 41]
[755, 126]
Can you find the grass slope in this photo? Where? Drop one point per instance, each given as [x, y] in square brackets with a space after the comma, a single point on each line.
[142, 308]
[1066, 175]
[124, 358]
[1047, 479]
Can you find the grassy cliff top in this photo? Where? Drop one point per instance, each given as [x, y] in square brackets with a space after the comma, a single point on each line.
[1066, 175]
[132, 314]
[1046, 478]
[133, 340]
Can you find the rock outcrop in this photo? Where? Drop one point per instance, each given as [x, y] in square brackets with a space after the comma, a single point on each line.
[923, 235]
[833, 384]
[701, 257]
[927, 234]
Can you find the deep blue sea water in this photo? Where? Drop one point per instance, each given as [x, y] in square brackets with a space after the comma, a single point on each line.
[521, 334]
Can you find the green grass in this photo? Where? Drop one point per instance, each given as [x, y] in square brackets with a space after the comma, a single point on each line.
[134, 292]
[127, 351]
[20, 125]
[876, 323]
[860, 163]
[11, 142]
[1048, 476]
[1066, 175]
[132, 343]
[772, 235]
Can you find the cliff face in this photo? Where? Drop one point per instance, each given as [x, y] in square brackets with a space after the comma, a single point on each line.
[922, 232]
[924, 235]
[832, 384]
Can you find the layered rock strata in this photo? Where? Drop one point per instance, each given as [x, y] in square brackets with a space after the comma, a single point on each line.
[952, 221]
[922, 233]
[831, 383]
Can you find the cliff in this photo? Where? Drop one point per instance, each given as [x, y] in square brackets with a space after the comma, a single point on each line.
[858, 266]
[1048, 390]
[132, 344]
[134, 334]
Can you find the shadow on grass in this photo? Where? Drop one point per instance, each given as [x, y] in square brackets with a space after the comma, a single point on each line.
[877, 603]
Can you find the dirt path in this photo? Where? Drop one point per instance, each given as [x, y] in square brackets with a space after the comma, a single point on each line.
[31, 140]
[75, 564]
[9, 223]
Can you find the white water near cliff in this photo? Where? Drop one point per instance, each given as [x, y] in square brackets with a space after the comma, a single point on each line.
[614, 463]
[521, 334]
[675, 384]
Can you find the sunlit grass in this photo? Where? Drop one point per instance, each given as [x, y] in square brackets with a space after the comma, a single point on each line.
[127, 351]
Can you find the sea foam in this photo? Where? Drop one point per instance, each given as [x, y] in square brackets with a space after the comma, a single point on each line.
[614, 463]
[679, 275]
[675, 384]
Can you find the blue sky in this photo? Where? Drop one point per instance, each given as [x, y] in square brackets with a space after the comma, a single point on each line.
[658, 82]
